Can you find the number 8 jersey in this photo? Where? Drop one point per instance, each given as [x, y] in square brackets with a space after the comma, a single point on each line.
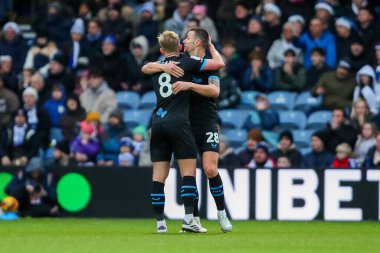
[174, 107]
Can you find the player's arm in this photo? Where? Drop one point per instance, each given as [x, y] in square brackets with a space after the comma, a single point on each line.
[210, 90]
[155, 67]
[215, 63]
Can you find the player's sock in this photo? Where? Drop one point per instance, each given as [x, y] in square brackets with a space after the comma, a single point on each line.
[188, 193]
[158, 199]
[216, 189]
[196, 201]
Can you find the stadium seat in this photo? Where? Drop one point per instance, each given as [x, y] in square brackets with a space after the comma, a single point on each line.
[252, 120]
[236, 137]
[318, 119]
[305, 151]
[133, 118]
[148, 100]
[248, 99]
[292, 120]
[233, 118]
[271, 137]
[127, 99]
[281, 100]
[302, 138]
[305, 101]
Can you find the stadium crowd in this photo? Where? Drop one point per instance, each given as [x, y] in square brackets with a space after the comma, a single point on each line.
[71, 89]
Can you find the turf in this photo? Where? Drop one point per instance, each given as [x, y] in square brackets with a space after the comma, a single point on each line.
[129, 235]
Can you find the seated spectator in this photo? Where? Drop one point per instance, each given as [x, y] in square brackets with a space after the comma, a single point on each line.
[283, 162]
[317, 37]
[9, 103]
[258, 76]
[147, 25]
[41, 52]
[372, 158]
[344, 37]
[110, 138]
[366, 140]
[94, 38]
[84, 11]
[55, 106]
[360, 113]
[358, 54]
[17, 141]
[58, 73]
[291, 75]
[93, 118]
[229, 95]
[269, 118]
[180, 16]
[319, 157]
[367, 89]
[377, 62]
[126, 157]
[317, 69]
[98, 97]
[227, 156]
[35, 191]
[272, 24]
[205, 22]
[61, 154]
[343, 158]
[288, 149]
[254, 39]
[236, 64]
[324, 12]
[25, 79]
[8, 74]
[336, 87]
[13, 44]
[261, 158]
[253, 138]
[37, 82]
[84, 148]
[367, 26]
[298, 23]
[275, 56]
[138, 136]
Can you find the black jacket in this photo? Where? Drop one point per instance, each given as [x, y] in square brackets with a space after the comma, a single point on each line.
[230, 93]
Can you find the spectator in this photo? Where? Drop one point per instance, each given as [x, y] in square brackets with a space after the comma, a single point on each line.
[138, 135]
[93, 118]
[41, 52]
[237, 26]
[344, 37]
[227, 156]
[317, 37]
[366, 26]
[367, 89]
[319, 157]
[291, 76]
[94, 38]
[272, 24]
[127, 12]
[317, 69]
[283, 162]
[84, 11]
[110, 138]
[268, 118]
[236, 64]
[245, 155]
[360, 113]
[258, 75]
[229, 95]
[35, 191]
[200, 13]
[298, 23]
[288, 149]
[126, 157]
[84, 148]
[61, 153]
[358, 54]
[55, 106]
[24, 81]
[180, 16]
[336, 87]
[8, 75]
[343, 158]
[13, 44]
[98, 97]
[17, 141]
[147, 26]
[372, 158]
[275, 55]
[353, 9]
[58, 73]
[254, 39]
[190, 24]
[377, 62]
[38, 83]
[9, 103]
[366, 140]
[261, 158]
[325, 13]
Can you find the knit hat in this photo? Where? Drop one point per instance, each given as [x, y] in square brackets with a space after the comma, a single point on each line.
[21, 112]
[290, 51]
[126, 141]
[296, 18]
[110, 39]
[343, 22]
[270, 7]
[11, 25]
[93, 116]
[324, 6]
[117, 114]
[263, 147]
[31, 91]
[287, 134]
[344, 148]
[35, 164]
[87, 128]
[4, 58]
[344, 63]
[255, 134]
[60, 58]
[140, 129]
[78, 27]
[320, 135]
[147, 7]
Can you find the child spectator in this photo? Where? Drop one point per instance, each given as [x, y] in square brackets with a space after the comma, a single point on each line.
[126, 157]
[93, 118]
[84, 148]
[366, 140]
[283, 162]
[55, 106]
[343, 158]
[138, 134]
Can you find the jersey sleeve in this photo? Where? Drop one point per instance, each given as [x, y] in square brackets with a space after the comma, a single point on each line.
[214, 74]
[193, 64]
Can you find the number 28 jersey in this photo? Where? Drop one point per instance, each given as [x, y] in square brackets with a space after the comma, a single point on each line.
[171, 107]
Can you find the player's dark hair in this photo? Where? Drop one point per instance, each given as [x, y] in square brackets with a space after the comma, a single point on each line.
[318, 50]
[201, 34]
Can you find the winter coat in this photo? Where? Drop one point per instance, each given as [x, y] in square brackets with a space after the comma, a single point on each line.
[9, 103]
[70, 121]
[93, 45]
[17, 49]
[248, 42]
[228, 159]
[66, 77]
[230, 92]
[245, 156]
[236, 67]
[362, 146]
[313, 75]
[268, 119]
[268, 164]
[55, 109]
[275, 56]
[371, 93]
[368, 161]
[293, 82]
[346, 163]
[346, 133]
[314, 160]
[149, 29]
[38, 58]
[176, 23]
[110, 142]
[90, 149]
[264, 83]
[42, 128]
[293, 154]
[120, 28]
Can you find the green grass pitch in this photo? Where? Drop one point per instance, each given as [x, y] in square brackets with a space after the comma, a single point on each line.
[136, 235]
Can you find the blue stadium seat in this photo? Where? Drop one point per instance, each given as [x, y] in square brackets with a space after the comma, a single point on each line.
[281, 100]
[233, 118]
[148, 100]
[305, 102]
[252, 120]
[302, 138]
[292, 119]
[318, 119]
[248, 99]
[271, 137]
[127, 99]
[305, 151]
[134, 118]
[236, 137]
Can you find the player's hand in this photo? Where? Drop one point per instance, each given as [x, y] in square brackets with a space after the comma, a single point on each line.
[180, 86]
[172, 69]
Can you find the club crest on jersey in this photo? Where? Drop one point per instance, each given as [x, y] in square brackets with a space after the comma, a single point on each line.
[214, 145]
[197, 80]
[161, 113]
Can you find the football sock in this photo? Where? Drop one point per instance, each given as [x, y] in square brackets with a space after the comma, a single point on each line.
[216, 189]
[158, 199]
[188, 193]
[196, 201]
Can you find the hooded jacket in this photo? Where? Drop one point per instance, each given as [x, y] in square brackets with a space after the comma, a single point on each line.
[371, 93]
[55, 108]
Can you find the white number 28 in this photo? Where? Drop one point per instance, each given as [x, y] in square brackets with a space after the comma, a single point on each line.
[212, 137]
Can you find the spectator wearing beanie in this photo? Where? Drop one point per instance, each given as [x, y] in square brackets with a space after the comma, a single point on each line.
[227, 156]
[84, 148]
[8, 73]
[147, 26]
[287, 148]
[126, 157]
[272, 24]
[319, 157]
[253, 138]
[344, 37]
[70, 120]
[261, 158]
[58, 73]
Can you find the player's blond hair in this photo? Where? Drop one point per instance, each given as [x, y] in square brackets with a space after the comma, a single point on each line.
[169, 41]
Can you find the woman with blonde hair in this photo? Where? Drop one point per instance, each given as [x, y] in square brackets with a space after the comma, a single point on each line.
[366, 140]
[360, 113]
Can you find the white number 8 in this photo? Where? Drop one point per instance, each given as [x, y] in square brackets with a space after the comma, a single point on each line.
[166, 84]
[212, 137]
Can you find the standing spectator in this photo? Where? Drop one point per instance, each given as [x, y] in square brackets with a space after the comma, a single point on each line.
[360, 113]
[343, 158]
[180, 16]
[336, 87]
[254, 39]
[318, 36]
[253, 138]
[126, 157]
[70, 120]
[227, 156]
[229, 95]
[235, 27]
[344, 37]
[317, 69]
[9, 76]
[147, 26]
[94, 38]
[291, 75]
[258, 76]
[272, 25]
[84, 148]
[55, 106]
[275, 55]
[288, 149]
[261, 158]
[358, 54]
[372, 158]
[200, 13]
[236, 64]
[98, 97]
[9, 103]
[366, 140]
[13, 44]
[58, 73]
[367, 89]
[319, 157]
